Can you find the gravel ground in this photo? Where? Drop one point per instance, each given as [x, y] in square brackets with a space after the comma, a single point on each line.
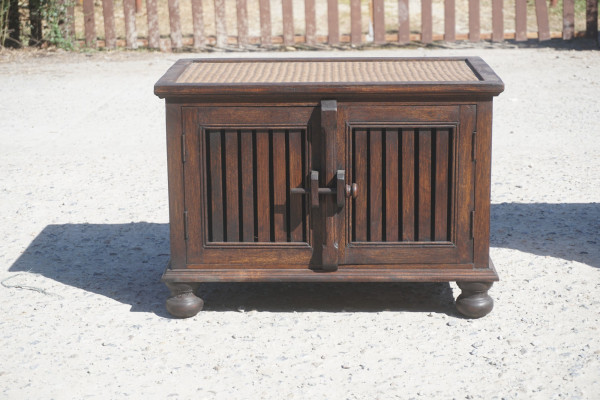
[84, 221]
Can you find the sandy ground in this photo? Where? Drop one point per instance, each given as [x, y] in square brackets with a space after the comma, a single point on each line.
[83, 194]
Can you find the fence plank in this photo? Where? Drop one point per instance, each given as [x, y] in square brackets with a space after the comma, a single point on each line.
[497, 20]
[288, 22]
[426, 22]
[403, 22]
[89, 23]
[310, 19]
[591, 19]
[153, 29]
[355, 22]
[520, 20]
[130, 31]
[568, 19]
[242, 22]
[333, 25]
[110, 38]
[449, 21]
[220, 23]
[541, 13]
[378, 21]
[474, 24]
[264, 7]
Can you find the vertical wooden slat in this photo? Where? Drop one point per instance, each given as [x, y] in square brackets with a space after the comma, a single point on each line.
[288, 22]
[264, 7]
[153, 29]
[174, 24]
[449, 21]
[296, 172]
[442, 143]
[520, 20]
[89, 23]
[497, 20]
[424, 209]
[355, 22]
[263, 206]
[568, 19]
[221, 23]
[110, 38]
[279, 187]
[360, 178]
[242, 22]
[378, 22]
[541, 13]
[216, 186]
[474, 21]
[333, 24]
[392, 206]
[403, 22]
[232, 185]
[130, 31]
[408, 185]
[310, 19]
[198, 24]
[375, 186]
[591, 19]
[247, 169]
[426, 22]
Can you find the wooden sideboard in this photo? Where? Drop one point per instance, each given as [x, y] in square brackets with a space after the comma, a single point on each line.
[329, 170]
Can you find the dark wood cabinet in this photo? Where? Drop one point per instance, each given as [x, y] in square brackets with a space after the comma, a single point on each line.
[329, 170]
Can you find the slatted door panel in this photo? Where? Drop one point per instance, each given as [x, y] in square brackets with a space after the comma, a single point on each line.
[406, 174]
[242, 171]
[413, 171]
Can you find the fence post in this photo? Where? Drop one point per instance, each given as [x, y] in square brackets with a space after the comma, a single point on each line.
[242, 21]
[378, 22]
[333, 25]
[403, 22]
[520, 20]
[175, 23]
[474, 24]
[89, 23]
[541, 13]
[287, 13]
[355, 22]
[264, 7]
[497, 20]
[110, 38]
[153, 29]
[311, 25]
[591, 19]
[449, 21]
[568, 19]
[130, 32]
[426, 22]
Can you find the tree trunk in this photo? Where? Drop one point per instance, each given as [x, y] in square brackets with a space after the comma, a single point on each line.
[14, 25]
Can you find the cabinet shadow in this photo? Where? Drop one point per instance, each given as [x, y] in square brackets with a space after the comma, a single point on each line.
[570, 231]
[125, 261]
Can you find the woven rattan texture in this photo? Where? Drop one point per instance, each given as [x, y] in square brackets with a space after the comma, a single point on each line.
[328, 72]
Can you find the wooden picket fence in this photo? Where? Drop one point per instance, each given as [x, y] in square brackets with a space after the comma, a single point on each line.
[223, 39]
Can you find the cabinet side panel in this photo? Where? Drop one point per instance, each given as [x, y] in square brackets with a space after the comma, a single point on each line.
[175, 174]
[483, 157]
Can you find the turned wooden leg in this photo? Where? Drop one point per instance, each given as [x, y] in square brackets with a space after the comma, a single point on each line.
[474, 301]
[183, 303]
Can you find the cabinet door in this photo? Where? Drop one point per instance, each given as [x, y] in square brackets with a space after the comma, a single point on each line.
[240, 166]
[414, 174]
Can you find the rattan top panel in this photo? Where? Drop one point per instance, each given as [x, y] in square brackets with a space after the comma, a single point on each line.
[327, 71]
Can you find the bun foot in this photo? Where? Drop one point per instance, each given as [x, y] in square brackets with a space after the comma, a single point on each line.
[474, 301]
[183, 303]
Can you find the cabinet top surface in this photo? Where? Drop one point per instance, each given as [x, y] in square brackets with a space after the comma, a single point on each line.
[189, 77]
